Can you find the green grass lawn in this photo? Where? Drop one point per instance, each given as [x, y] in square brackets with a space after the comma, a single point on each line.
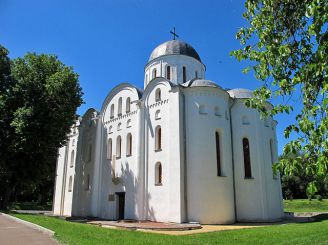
[76, 233]
[304, 205]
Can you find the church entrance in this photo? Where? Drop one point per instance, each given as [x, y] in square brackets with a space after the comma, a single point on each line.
[120, 204]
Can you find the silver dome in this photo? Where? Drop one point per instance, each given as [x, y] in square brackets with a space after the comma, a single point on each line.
[174, 47]
[240, 93]
[200, 83]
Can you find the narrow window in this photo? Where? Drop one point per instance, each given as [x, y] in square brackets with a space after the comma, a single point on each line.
[271, 152]
[109, 149]
[158, 95]
[184, 74]
[128, 123]
[196, 74]
[146, 78]
[112, 111]
[218, 154]
[217, 111]
[127, 106]
[118, 147]
[157, 115]
[168, 72]
[119, 126]
[70, 184]
[154, 73]
[89, 152]
[72, 159]
[247, 160]
[158, 174]
[110, 129]
[272, 156]
[158, 138]
[119, 113]
[87, 183]
[129, 144]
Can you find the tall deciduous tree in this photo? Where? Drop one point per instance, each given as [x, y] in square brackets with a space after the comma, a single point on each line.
[39, 96]
[287, 44]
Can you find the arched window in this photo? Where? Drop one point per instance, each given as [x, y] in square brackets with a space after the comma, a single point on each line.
[154, 73]
[247, 158]
[118, 146]
[218, 154]
[272, 156]
[158, 138]
[72, 159]
[129, 144]
[110, 129]
[127, 106]
[184, 74]
[128, 123]
[158, 95]
[157, 115]
[119, 126]
[112, 111]
[119, 112]
[168, 72]
[70, 183]
[87, 183]
[217, 111]
[109, 149]
[158, 174]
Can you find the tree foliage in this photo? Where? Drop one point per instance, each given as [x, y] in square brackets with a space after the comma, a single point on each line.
[286, 42]
[297, 185]
[39, 96]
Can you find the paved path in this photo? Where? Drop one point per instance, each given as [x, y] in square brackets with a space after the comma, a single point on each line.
[13, 232]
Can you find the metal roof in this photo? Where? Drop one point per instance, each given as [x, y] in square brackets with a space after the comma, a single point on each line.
[174, 47]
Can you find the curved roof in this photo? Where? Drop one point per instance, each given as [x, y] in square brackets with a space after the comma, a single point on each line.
[174, 47]
[240, 93]
[116, 89]
[200, 83]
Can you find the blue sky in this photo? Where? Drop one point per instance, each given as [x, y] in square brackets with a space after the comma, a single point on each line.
[109, 42]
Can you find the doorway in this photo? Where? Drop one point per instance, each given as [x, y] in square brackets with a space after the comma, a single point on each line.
[120, 205]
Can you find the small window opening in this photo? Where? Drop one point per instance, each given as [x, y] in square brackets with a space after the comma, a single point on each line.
[168, 72]
[184, 74]
[247, 159]
[158, 174]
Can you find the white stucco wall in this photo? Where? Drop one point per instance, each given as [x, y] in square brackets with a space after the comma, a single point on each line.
[126, 167]
[257, 198]
[63, 196]
[176, 62]
[210, 197]
[163, 202]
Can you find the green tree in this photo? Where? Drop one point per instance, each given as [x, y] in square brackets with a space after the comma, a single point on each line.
[286, 42]
[39, 96]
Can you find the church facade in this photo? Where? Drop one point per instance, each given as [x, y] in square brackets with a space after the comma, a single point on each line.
[181, 150]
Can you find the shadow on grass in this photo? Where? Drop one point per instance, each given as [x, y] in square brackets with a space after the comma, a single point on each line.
[320, 217]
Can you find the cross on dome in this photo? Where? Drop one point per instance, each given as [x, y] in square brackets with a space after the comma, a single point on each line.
[174, 34]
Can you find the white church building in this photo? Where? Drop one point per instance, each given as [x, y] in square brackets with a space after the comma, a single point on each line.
[182, 150]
